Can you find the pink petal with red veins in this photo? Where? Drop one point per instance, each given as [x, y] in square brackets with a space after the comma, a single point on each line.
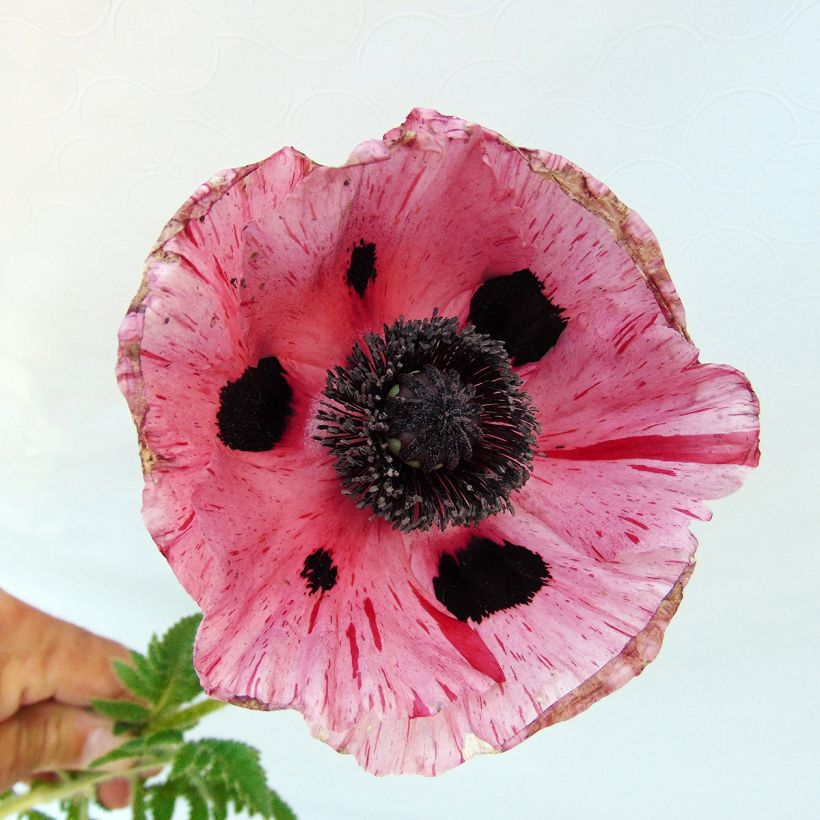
[310, 605]
[616, 381]
[184, 337]
[337, 654]
[440, 222]
[593, 627]
[590, 249]
[436, 218]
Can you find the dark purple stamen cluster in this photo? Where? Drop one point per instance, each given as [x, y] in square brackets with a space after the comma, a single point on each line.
[449, 446]
[435, 421]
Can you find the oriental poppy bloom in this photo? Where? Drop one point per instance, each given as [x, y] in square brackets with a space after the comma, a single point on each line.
[423, 436]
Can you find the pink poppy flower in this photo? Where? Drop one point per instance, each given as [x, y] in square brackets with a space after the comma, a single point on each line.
[423, 436]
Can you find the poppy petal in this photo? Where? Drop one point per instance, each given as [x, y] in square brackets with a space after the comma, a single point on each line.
[262, 283]
[595, 625]
[317, 603]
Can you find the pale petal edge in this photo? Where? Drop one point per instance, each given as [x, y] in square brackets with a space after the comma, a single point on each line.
[636, 655]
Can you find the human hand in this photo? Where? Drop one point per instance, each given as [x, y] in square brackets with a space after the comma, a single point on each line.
[50, 671]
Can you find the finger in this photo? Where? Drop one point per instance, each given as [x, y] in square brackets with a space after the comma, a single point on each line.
[114, 794]
[43, 658]
[51, 736]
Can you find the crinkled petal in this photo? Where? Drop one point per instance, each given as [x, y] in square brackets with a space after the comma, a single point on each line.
[339, 653]
[309, 604]
[440, 221]
[591, 250]
[592, 628]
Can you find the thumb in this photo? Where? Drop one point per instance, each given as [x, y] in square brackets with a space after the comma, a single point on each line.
[51, 736]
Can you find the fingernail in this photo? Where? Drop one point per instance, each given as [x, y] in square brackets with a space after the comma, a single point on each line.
[99, 741]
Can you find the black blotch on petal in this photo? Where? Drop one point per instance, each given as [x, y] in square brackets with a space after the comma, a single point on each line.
[514, 310]
[254, 409]
[319, 571]
[362, 268]
[486, 577]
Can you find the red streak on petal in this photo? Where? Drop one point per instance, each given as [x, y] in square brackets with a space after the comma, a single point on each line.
[645, 468]
[256, 669]
[186, 264]
[419, 706]
[599, 554]
[611, 626]
[186, 522]
[560, 433]
[585, 391]
[374, 627]
[465, 641]
[221, 271]
[293, 236]
[354, 651]
[707, 448]
[313, 613]
[409, 193]
[189, 232]
[505, 240]
[633, 521]
[157, 358]
[396, 598]
[450, 695]
[633, 538]
[686, 512]
[624, 345]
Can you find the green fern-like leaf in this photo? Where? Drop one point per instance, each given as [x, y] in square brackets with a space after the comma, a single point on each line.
[158, 745]
[213, 777]
[161, 801]
[228, 772]
[170, 667]
[279, 808]
[122, 710]
[76, 809]
[137, 678]
[196, 799]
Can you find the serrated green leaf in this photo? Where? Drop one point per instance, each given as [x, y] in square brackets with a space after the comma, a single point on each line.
[151, 746]
[228, 772]
[219, 800]
[76, 809]
[280, 809]
[163, 738]
[161, 801]
[171, 667]
[138, 800]
[184, 760]
[136, 679]
[196, 801]
[123, 711]
[188, 718]
[249, 777]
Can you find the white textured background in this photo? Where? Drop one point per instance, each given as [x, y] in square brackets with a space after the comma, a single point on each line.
[704, 115]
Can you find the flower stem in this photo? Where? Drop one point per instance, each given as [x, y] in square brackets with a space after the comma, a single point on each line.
[49, 793]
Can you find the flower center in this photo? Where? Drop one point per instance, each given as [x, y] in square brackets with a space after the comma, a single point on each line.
[434, 419]
[428, 424]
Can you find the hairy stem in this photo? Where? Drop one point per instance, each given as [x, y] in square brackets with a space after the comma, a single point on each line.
[51, 792]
